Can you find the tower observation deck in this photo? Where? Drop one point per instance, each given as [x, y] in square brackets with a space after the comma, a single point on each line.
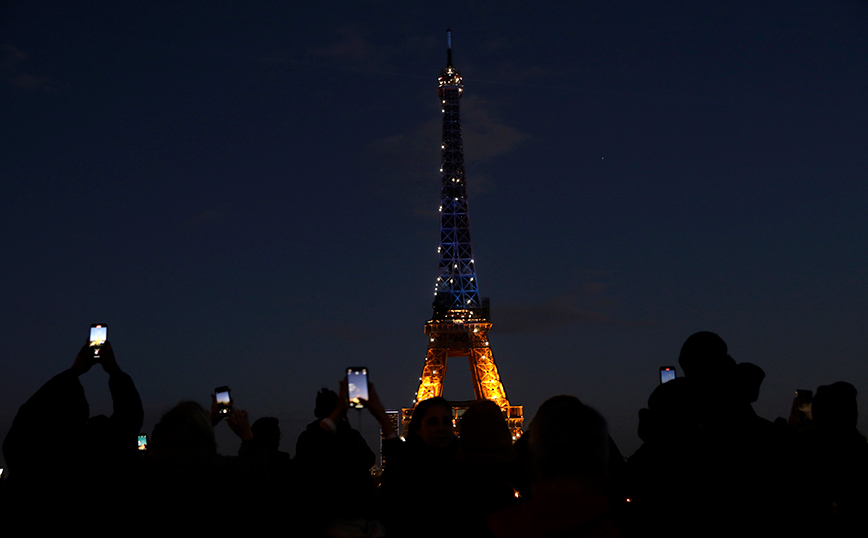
[460, 321]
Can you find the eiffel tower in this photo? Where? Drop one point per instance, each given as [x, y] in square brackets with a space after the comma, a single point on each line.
[461, 321]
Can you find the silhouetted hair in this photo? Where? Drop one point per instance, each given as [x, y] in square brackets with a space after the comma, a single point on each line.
[184, 431]
[266, 431]
[421, 410]
[569, 439]
[326, 401]
[834, 406]
[704, 354]
[485, 436]
[749, 379]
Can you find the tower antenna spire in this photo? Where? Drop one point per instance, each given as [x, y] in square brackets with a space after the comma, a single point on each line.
[449, 47]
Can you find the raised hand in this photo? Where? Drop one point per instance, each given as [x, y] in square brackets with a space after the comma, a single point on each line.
[376, 408]
[238, 423]
[106, 357]
[84, 360]
[340, 412]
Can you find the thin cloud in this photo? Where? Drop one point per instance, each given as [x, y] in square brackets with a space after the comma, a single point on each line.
[485, 135]
[518, 74]
[30, 82]
[406, 164]
[344, 331]
[586, 306]
[11, 56]
[352, 43]
[14, 71]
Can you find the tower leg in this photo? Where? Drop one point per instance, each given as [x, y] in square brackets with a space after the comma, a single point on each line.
[486, 380]
[431, 383]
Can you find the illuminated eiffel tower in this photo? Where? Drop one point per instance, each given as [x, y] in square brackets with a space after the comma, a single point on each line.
[461, 321]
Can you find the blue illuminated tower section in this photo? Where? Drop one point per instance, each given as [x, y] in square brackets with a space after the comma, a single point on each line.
[456, 293]
[460, 322]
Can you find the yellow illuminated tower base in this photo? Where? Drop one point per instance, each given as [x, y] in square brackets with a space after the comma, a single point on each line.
[457, 338]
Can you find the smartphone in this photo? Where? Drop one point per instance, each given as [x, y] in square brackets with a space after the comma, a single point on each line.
[667, 373]
[143, 442]
[224, 400]
[98, 334]
[357, 386]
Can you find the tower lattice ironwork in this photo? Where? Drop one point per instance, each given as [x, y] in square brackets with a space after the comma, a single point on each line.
[461, 320]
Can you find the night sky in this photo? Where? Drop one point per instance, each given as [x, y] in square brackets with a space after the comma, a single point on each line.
[247, 194]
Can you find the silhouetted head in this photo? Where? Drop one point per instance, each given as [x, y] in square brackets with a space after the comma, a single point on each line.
[431, 423]
[749, 379]
[704, 356]
[485, 436]
[266, 431]
[184, 433]
[834, 406]
[326, 401]
[569, 439]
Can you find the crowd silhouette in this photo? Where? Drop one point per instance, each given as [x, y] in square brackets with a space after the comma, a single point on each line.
[708, 464]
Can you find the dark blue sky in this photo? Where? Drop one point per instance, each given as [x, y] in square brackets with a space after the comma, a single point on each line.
[247, 193]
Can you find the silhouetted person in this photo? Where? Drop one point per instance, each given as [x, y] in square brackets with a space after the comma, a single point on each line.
[706, 453]
[278, 490]
[186, 482]
[569, 444]
[661, 472]
[422, 468]
[486, 465]
[711, 372]
[333, 463]
[59, 456]
[833, 460]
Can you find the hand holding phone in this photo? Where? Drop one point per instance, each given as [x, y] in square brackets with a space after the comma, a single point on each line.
[239, 423]
[84, 360]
